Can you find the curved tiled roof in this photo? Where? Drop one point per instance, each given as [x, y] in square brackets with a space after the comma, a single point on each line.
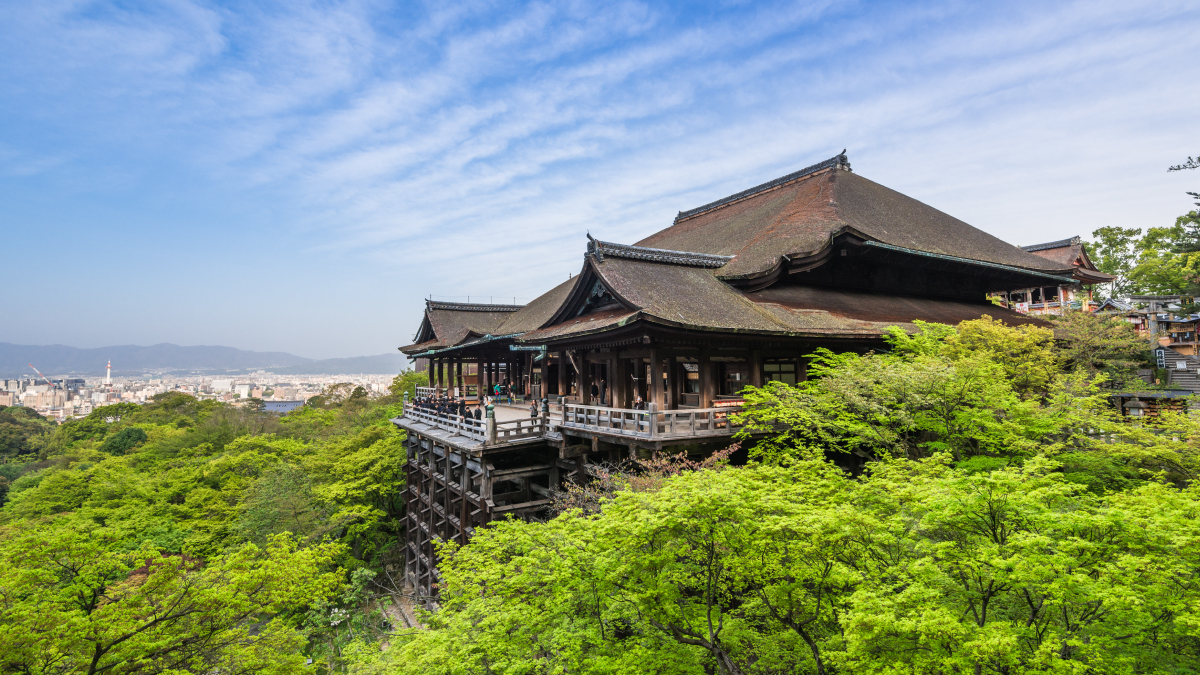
[693, 298]
[447, 324]
[1071, 253]
[799, 217]
[538, 312]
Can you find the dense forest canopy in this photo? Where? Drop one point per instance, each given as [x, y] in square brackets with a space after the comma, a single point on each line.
[966, 500]
[189, 536]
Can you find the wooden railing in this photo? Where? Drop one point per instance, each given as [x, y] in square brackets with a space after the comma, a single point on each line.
[515, 430]
[463, 426]
[658, 424]
[487, 430]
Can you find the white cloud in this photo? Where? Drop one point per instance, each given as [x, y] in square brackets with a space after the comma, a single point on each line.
[463, 148]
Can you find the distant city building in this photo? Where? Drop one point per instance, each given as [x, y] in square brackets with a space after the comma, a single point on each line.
[282, 406]
[220, 386]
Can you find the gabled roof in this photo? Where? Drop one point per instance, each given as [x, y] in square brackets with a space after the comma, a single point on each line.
[1111, 305]
[537, 313]
[798, 215]
[449, 323]
[1071, 252]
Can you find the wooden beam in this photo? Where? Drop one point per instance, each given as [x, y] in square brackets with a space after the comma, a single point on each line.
[509, 474]
[525, 505]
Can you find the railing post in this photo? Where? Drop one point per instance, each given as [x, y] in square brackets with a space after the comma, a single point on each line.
[490, 425]
[652, 416]
[563, 409]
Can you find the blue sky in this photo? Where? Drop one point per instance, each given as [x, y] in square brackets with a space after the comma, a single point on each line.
[299, 176]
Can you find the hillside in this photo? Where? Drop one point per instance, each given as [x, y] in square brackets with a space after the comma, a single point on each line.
[60, 360]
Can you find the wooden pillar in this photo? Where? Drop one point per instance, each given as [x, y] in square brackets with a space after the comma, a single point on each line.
[458, 377]
[756, 372]
[585, 378]
[655, 390]
[480, 376]
[562, 372]
[621, 382]
[610, 367]
[672, 383]
[545, 374]
[440, 374]
[429, 368]
[707, 381]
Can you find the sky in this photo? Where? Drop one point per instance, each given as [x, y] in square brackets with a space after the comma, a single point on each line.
[300, 176]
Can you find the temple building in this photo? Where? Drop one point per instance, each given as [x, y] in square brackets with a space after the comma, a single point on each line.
[1043, 299]
[649, 346]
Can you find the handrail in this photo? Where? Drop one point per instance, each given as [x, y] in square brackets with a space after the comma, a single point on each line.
[651, 423]
[488, 431]
[465, 426]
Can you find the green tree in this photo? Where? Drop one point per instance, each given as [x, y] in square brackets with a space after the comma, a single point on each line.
[1191, 163]
[1114, 251]
[913, 567]
[407, 382]
[123, 441]
[1099, 344]
[75, 602]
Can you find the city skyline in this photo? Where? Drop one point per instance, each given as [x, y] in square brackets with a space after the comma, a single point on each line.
[283, 178]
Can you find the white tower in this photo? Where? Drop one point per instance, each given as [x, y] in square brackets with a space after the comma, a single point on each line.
[108, 375]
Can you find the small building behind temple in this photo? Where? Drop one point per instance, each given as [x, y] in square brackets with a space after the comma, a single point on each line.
[1045, 299]
[648, 348]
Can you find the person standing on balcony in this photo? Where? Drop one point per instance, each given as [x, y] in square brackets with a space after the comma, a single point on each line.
[603, 391]
[478, 413]
[595, 392]
[533, 409]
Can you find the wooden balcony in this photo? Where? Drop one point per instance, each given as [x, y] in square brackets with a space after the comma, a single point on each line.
[468, 433]
[653, 425]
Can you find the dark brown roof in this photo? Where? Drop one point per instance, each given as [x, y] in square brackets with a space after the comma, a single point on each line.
[1071, 253]
[689, 296]
[581, 325]
[693, 298]
[799, 217]
[538, 312]
[447, 324]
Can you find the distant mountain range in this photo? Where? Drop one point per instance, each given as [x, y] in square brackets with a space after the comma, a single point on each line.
[61, 360]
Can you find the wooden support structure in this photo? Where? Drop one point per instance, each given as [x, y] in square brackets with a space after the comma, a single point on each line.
[452, 490]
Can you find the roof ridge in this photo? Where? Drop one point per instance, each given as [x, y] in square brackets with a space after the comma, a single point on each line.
[689, 258]
[1070, 241]
[838, 160]
[470, 306]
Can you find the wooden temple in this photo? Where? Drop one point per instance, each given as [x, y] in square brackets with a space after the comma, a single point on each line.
[1046, 299]
[733, 293]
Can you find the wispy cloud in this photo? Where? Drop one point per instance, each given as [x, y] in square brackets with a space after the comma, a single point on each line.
[460, 148]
